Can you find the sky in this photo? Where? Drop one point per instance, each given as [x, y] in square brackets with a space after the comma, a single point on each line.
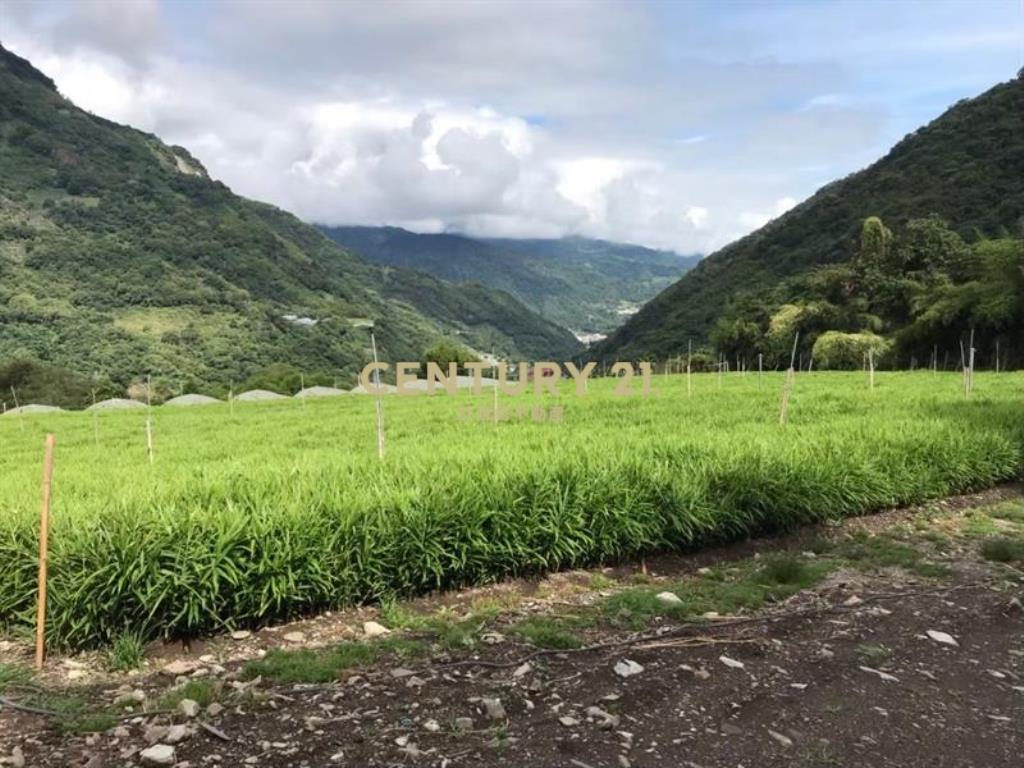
[679, 125]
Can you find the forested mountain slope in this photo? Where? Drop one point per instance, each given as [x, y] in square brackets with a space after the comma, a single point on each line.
[584, 284]
[966, 167]
[120, 257]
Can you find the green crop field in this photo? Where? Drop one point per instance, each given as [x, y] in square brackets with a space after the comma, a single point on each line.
[282, 509]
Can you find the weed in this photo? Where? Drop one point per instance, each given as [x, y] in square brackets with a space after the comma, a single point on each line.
[1011, 511]
[309, 665]
[600, 581]
[873, 652]
[126, 652]
[13, 675]
[872, 552]
[1002, 549]
[979, 525]
[783, 569]
[401, 647]
[97, 721]
[546, 632]
[749, 586]
[203, 692]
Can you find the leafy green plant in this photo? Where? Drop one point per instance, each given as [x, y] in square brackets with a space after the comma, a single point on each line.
[275, 512]
[125, 653]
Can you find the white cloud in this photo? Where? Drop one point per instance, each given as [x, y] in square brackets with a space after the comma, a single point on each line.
[697, 216]
[568, 117]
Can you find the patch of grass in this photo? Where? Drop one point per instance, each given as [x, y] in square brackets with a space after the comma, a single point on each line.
[979, 525]
[445, 627]
[97, 721]
[749, 586]
[308, 665]
[600, 581]
[784, 569]
[73, 714]
[203, 692]
[869, 552]
[401, 647]
[1002, 549]
[13, 675]
[873, 652]
[1011, 511]
[548, 632]
[125, 653]
[397, 616]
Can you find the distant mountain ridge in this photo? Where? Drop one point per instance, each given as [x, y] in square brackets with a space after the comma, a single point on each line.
[966, 166]
[119, 257]
[584, 284]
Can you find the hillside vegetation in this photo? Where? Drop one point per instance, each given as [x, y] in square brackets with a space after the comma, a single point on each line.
[120, 257]
[939, 193]
[584, 284]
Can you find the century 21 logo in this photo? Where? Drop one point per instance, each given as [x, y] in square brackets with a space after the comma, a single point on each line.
[545, 377]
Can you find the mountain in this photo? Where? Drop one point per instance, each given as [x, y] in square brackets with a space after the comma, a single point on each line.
[966, 167]
[584, 284]
[120, 256]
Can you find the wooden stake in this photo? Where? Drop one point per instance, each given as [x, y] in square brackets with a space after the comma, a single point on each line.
[871, 369]
[760, 368]
[380, 405]
[149, 417]
[44, 551]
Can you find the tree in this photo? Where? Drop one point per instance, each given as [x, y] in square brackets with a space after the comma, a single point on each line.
[845, 351]
[928, 246]
[875, 245]
[445, 352]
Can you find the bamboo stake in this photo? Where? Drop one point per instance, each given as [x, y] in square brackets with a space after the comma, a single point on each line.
[760, 368]
[970, 364]
[95, 421]
[689, 366]
[380, 405]
[787, 386]
[149, 417]
[970, 373]
[44, 551]
[17, 407]
[871, 369]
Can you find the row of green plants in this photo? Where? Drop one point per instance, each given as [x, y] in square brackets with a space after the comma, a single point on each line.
[269, 512]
